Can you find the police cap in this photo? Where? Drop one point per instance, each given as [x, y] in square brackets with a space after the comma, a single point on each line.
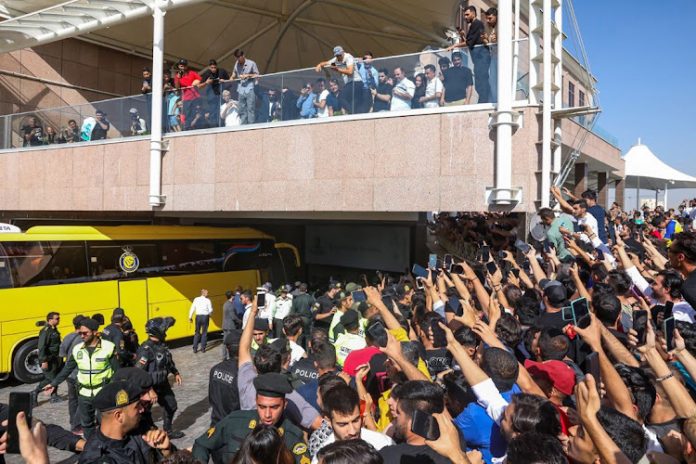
[116, 395]
[261, 324]
[90, 323]
[272, 385]
[349, 318]
[135, 376]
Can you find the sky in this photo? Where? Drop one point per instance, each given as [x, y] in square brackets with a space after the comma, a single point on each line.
[642, 54]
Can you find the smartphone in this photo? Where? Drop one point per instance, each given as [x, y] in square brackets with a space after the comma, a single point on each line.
[485, 253]
[439, 337]
[640, 325]
[456, 305]
[668, 332]
[432, 261]
[526, 265]
[547, 247]
[378, 333]
[447, 263]
[260, 298]
[668, 309]
[655, 312]
[419, 283]
[425, 425]
[592, 367]
[567, 314]
[515, 272]
[491, 267]
[502, 255]
[522, 246]
[19, 402]
[419, 271]
[358, 296]
[581, 312]
[600, 255]
[457, 269]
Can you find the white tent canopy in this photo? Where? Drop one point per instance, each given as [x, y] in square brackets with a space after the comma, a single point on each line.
[644, 170]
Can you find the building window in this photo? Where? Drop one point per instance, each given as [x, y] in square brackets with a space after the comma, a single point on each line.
[581, 98]
[571, 94]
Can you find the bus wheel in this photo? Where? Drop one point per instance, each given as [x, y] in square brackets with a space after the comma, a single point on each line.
[25, 366]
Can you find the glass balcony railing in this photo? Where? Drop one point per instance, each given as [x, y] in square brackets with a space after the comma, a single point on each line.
[429, 79]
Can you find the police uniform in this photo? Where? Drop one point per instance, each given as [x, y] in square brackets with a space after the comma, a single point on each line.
[49, 348]
[130, 338]
[114, 334]
[223, 393]
[224, 439]
[143, 381]
[155, 358]
[95, 366]
[132, 449]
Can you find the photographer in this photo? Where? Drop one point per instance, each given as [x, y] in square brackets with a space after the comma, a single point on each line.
[138, 126]
[188, 82]
[101, 126]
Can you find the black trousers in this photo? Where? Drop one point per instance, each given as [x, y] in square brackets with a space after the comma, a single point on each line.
[54, 365]
[189, 111]
[72, 403]
[201, 333]
[481, 57]
[87, 414]
[166, 399]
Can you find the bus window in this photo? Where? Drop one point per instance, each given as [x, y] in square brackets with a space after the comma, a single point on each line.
[105, 260]
[189, 257]
[44, 263]
[5, 272]
[240, 255]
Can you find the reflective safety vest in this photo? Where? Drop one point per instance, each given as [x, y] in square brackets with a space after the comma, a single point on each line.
[345, 343]
[93, 372]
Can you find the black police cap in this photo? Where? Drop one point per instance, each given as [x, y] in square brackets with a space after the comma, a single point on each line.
[349, 318]
[272, 385]
[261, 324]
[135, 376]
[116, 395]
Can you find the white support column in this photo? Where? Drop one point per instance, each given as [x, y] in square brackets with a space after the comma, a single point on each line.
[534, 49]
[546, 129]
[156, 198]
[503, 147]
[558, 84]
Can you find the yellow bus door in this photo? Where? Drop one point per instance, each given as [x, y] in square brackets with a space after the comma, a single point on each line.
[132, 296]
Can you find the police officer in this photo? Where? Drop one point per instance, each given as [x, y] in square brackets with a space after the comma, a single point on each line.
[148, 397]
[95, 361]
[222, 385]
[224, 439]
[114, 334]
[115, 442]
[154, 357]
[302, 305]
[49, 357]
[130, 337]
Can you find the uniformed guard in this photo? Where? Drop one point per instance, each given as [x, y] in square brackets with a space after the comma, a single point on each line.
[350, 339]
[154, 357]
[95, 362]
[130, 337]
[222, 384]
[49, 357]
[114, 333]
[148, 397]
[224, 439]
[115, 442]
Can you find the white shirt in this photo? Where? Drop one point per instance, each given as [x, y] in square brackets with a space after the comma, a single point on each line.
[376, 439]
[232, 118]
[268, 309]
[247, 312]
[323, 113]
[283, 307]
[590, 221]
[296, 352]
[348, 60]
[405, 86]
[201, 306]
[433, 88]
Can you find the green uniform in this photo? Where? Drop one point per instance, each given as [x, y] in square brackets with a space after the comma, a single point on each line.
[224, 440]
[49, 347]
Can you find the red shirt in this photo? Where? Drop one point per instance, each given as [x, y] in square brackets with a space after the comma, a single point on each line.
[358, 358]
[190, 93]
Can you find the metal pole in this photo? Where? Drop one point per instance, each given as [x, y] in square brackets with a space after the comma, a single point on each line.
[638, 195]
[666, 188]
[516, 52]
[503, 146]
[546, 108]
[156, 198]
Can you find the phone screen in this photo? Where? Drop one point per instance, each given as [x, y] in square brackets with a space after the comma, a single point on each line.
[640, 325]
[447, 262]
[547, 247]
[457, 269]
[567, 314]
[522, 246]
[515, 272]
[668, 332]
[432, 261]
[19, 402]
[491, 267]
[655, 312]
[419, 271]
[581, 313]
[378, 333]
[592, 367]
[485, 253]
[439, 337]
[668, 309]
[358, 296]
[261, 300]
[425, 425]
[455, 304]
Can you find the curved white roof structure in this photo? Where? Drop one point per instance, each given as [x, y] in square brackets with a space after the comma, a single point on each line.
[645, 170]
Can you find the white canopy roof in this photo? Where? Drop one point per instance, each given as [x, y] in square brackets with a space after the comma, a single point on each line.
[646, 170]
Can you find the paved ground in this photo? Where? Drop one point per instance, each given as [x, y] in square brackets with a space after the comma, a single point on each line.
[192, 417]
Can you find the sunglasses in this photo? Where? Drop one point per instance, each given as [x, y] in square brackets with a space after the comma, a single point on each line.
[83, 334]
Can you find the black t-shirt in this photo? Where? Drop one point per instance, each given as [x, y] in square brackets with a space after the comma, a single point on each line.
[98, 133]
[554, 320]
[409, 454]
[223, 393]
[216, 76]
[29, 139]
[325, 306]
[474, 34]
[304, 370]
[457, 80]
[689, 289]
[383, 89]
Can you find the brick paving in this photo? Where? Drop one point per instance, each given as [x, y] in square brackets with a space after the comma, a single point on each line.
[192, 417]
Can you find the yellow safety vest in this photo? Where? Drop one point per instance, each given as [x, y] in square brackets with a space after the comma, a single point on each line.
[93, 372]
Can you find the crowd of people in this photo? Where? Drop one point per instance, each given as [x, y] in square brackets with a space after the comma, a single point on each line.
[576, 348]
[216, 97]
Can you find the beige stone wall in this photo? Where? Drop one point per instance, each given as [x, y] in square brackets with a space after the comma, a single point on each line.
[429, 162]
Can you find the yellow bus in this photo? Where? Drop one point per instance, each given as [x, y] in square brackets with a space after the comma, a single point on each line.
[149, 271]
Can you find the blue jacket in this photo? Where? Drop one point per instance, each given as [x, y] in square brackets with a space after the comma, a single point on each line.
[481, 432]
[306, 105]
